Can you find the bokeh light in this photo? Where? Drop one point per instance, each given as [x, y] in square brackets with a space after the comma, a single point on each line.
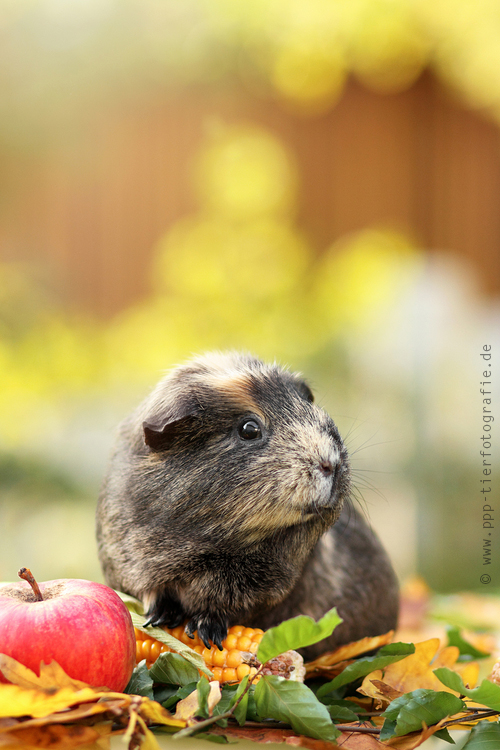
[386, 329]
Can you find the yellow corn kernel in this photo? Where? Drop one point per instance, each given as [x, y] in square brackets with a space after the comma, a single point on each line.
[242, 671]
[227, 665]
[154, 651]
[229, 675]
[219, 657]
[234, 658]
[231, 641]
[243, 643]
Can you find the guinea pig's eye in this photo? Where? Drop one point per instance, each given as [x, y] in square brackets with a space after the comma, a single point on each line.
[250, 429]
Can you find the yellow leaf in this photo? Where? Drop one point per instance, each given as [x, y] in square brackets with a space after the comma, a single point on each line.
[382, 693]
[416, 670]
[155, 713]
[324, 663]
[67, 716]
[51, 675]
[17, 701]
[149, 741]
[415, 739]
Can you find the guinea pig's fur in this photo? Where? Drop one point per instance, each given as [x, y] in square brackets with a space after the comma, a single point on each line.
[223, 504]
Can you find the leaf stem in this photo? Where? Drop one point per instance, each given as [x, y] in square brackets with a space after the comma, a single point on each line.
[483, 714]
[27, 575]
[359, 730]
[217, 717]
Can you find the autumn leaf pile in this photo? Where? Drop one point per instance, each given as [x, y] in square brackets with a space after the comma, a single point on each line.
[370, 694]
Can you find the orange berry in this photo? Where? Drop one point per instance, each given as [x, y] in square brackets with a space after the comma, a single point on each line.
[164, 648]
[217, 673]
[236, 629]
[243, 643]
[257, 637]
[199, 649]
[231, 641]
[233, 658]
[177, 632]
[258, 631]
[229, 675]
[253, 647]
[253, 670]
[139, 635]
[249, 632]
[242, 671]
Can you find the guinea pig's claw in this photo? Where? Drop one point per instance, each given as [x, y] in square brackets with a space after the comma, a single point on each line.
[165, 612]
[211, 630]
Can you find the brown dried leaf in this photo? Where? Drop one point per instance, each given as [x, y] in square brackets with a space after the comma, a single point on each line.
[56, 737]
[265, 735]
[187, 708]
[381, 693]
[325, 662]
[347, 741]
[415, 739]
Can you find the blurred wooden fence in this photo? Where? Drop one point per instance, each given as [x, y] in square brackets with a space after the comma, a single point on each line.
[91, 210]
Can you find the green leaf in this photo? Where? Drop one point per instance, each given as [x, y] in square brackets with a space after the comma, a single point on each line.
[173, 694]
[388, 730]
[252, 714]
[443, 734]
[176, 645]
[386, 655]
[484, 736]
[203, 691]
[240, 712]
[411, 710]
[488, 694]
[296, 633]
[466, 649]
[140, 682]
[296, 705]
[226, 700]
[173, 669]
[342, 714]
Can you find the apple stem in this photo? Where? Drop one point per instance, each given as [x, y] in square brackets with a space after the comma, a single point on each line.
[27, 575]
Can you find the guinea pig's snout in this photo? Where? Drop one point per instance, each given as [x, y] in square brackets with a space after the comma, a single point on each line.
[326, 467]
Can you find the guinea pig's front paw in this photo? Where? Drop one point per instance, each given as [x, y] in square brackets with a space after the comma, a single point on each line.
[165, 612]
[210, 627]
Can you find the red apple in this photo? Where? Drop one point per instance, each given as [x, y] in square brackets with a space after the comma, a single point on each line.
[83, 626]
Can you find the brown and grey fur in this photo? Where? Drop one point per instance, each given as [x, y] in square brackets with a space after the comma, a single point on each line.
[206, 525]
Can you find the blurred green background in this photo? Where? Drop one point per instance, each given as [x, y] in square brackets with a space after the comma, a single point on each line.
[315, 182]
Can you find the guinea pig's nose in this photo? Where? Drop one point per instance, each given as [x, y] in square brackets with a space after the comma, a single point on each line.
[326, 467]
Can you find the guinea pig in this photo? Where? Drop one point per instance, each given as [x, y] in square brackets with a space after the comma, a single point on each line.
[226, 501]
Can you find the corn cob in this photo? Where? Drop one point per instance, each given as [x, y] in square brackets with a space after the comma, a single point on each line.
[229, 665]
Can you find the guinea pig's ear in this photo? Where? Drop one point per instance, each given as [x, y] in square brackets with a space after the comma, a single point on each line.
[159, 436]
[305, 391]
